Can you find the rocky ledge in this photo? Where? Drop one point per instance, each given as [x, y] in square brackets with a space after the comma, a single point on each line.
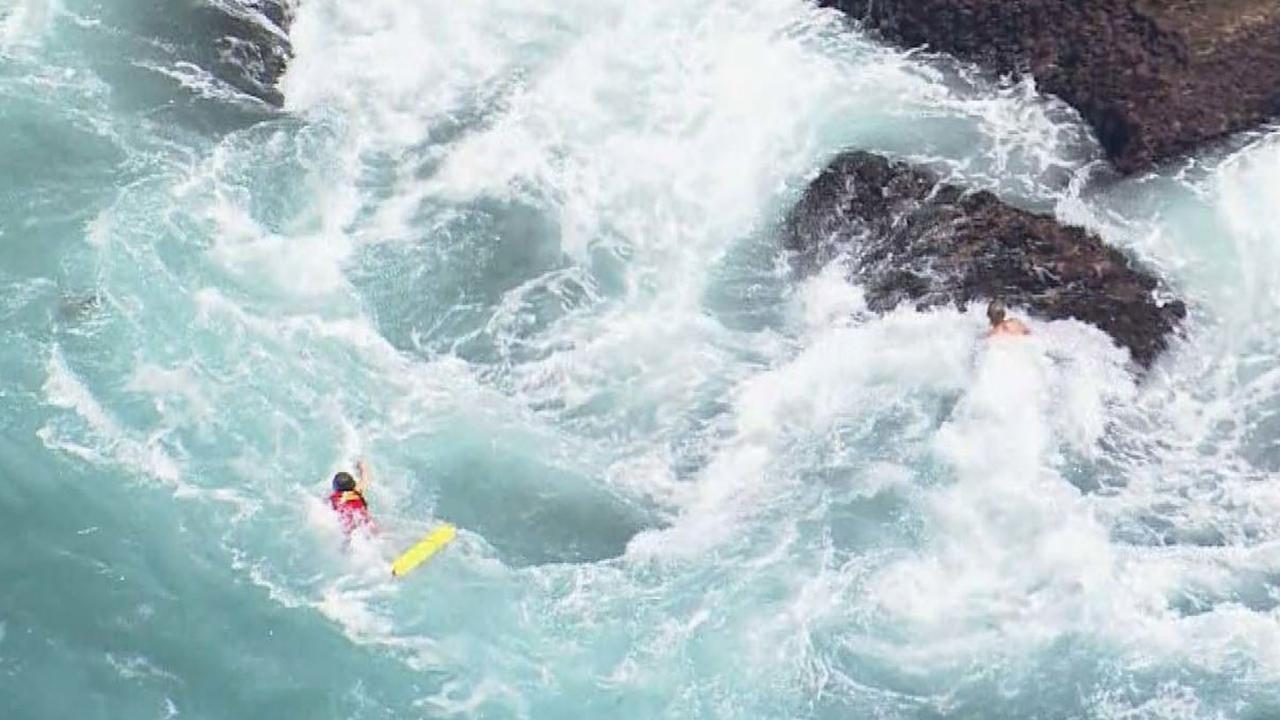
[1155, 78]
[910, 238]
[250, 47]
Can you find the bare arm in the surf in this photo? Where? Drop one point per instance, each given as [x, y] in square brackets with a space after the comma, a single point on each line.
[1011, 327]
[365, 477]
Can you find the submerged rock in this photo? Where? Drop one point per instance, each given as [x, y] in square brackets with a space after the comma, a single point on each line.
[909, 238]
[1155, 78]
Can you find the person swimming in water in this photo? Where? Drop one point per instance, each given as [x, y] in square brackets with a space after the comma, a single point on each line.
[1002, 325]
[347, 499]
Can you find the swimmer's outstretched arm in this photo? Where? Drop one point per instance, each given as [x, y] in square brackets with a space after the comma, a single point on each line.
[365, 477]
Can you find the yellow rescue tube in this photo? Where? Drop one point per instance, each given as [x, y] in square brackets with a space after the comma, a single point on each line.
[422, 552]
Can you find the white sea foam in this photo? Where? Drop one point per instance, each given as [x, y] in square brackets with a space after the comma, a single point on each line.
[138, 667]
[203, 83]
[840, 497]
[1247, 194]
[1016, 547]
[669, 173]
[101, 436]
[24, 22]
[166, 386]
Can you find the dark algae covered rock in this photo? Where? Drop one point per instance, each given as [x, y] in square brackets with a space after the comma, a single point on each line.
[1154, 78]
[910, 238]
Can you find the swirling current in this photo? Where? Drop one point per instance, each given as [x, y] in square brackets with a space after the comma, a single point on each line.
[523, 258]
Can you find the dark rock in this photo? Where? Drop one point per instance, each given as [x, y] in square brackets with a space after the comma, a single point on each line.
[243, 43]
[909, 238]
[1155, 78]
[251, 42]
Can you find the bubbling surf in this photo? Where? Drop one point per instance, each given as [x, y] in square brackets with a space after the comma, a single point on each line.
[523, 259]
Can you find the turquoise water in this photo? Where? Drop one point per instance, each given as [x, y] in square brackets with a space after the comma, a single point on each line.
[523, 260]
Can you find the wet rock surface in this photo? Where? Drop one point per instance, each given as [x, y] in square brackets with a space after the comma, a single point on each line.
[1155, 78]
[242, 43]
[251, 44]
[909, 238]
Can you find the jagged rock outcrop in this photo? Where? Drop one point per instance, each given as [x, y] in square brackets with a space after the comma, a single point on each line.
[242, 43]
[1155, 78]
[910, 238]
[251, 44]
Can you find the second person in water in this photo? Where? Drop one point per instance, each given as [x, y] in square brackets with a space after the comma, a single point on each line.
[1001, 325]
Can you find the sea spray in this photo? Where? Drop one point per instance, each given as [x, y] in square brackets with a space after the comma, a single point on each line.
[523, 260]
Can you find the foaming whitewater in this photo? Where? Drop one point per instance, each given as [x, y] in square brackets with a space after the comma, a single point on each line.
[523, 259]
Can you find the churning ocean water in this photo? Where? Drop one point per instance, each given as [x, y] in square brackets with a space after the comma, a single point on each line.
[523, 257]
